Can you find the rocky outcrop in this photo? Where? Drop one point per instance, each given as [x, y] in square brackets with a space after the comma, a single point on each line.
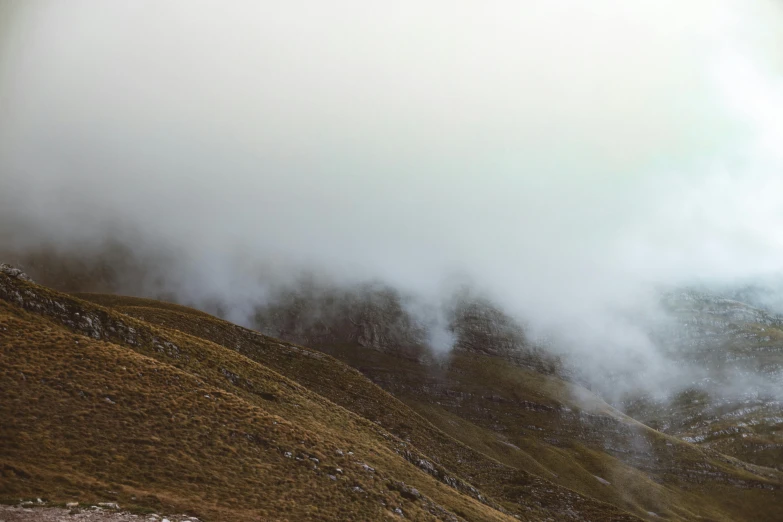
[480, 327]
[378, 317]
[369, 315]
[16, 273]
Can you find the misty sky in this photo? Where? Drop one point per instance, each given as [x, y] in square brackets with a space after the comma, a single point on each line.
[565, 156]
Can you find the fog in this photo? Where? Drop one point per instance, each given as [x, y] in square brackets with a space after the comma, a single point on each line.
[567, 158]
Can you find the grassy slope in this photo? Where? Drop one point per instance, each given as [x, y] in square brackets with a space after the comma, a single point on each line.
[349, 388]
[544, 418]
[526, 421]
[158, 419]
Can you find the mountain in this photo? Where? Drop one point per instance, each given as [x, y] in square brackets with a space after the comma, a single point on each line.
[159, 407]
[732, 354]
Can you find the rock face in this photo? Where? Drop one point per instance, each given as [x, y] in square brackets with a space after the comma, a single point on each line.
[369, 315]
[380, 318]
[16, 273]
[480, 327]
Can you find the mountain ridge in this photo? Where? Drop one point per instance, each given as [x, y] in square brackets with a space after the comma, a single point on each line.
[413, 417]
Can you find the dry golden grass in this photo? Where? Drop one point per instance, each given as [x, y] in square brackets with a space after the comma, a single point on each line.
[190, 426]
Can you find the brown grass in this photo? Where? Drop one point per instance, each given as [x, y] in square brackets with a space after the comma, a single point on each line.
[90, 420]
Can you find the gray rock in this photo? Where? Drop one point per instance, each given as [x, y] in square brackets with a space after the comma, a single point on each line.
[16, 273]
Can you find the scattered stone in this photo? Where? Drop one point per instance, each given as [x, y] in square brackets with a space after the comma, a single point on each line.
[408, 492]
[46, 513]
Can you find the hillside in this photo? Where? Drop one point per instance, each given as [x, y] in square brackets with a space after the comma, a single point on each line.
[505, 413]
[160, 407]
[103, 406]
